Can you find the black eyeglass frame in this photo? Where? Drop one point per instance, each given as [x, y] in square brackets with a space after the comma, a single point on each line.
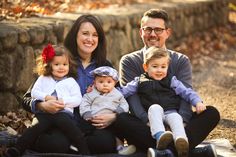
[157, 30]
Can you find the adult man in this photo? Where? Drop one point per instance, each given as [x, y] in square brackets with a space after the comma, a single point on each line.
[154, 31]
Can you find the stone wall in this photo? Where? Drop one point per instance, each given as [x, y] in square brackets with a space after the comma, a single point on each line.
[21, 41]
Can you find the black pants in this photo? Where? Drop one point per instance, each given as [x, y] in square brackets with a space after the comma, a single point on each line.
[55, 141]
[138, 133]
[45, 122]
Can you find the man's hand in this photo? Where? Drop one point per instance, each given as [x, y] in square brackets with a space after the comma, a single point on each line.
[103, 121]
[51, 106]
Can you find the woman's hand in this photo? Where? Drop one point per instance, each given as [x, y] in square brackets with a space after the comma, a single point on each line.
[51, 106]
[103, 121]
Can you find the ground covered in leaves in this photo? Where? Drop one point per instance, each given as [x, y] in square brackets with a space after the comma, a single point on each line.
[214, 77]
[15, 9]
[215, 80]
[213, 56]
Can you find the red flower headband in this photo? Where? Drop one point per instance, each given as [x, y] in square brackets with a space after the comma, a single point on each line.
[48, 53]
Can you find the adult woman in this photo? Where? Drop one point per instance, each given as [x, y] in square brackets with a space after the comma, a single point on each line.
[86, 41]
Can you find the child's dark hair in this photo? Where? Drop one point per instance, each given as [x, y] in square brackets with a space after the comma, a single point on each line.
[155, 52]
[45, 68]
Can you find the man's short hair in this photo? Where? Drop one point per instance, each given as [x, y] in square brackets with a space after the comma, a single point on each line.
[156, 13]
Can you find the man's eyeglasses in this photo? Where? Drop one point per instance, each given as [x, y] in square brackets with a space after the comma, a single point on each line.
[157, 30]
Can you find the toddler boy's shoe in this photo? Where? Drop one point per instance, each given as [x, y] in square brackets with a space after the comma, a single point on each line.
[159, 153]
[164, 140]
[127, 150]
[12, 152]
[182, 146]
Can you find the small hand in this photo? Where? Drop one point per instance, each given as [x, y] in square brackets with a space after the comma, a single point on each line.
[89, 89]
[88, 119]
[51, 106]
[49, 97]
[200, 107]
[60, 101]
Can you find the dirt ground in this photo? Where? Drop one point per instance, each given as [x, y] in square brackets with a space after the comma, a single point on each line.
[215, 80]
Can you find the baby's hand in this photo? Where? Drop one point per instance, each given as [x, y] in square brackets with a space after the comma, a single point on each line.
[88, 119]
[200, 107]
[61, 100]
[89, 89]
[49, 97]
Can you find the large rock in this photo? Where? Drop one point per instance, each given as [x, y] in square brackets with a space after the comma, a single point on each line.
[25, 76]
[8, 102]
[10, 68]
